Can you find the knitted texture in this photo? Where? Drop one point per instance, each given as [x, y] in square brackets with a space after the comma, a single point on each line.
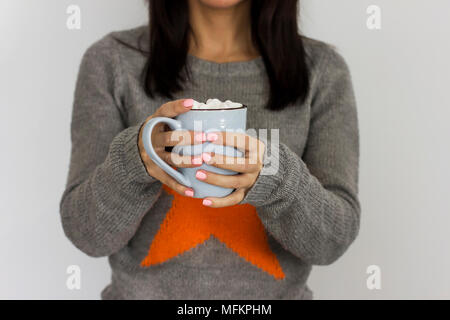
[302, 211]
[189, 223]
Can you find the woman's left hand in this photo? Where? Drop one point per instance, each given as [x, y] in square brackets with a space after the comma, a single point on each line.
[248, 167]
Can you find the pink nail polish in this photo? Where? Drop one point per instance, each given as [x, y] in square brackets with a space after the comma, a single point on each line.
[212, 137]
[200, 175]
[207, 202]
[197, 160]
[206, 157]
[189, 193]
[188, 103]
[200, 137]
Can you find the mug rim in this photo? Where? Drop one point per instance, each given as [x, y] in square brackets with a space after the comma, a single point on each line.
[222, 109]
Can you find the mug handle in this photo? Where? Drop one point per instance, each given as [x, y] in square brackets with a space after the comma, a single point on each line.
[147, 141]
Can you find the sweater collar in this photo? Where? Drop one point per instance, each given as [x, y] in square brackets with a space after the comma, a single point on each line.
[256, 66]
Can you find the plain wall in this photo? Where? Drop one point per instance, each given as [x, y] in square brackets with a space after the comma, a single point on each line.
[400, 74]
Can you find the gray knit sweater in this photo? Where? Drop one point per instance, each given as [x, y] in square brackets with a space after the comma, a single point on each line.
[305, 214]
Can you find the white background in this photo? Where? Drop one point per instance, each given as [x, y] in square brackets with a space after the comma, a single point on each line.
[401, 78]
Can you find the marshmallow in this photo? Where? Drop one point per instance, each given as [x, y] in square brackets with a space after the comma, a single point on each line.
[216, 104]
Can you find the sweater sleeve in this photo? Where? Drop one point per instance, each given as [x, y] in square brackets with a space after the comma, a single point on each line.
[108, 189]
[310, 205]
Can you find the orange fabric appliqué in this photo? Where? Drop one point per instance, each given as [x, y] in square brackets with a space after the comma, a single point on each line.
[189, 223]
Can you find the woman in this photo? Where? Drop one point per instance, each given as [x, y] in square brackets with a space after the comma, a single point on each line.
[262, 240]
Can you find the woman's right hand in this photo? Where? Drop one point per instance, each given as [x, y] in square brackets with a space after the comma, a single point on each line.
[161, 138]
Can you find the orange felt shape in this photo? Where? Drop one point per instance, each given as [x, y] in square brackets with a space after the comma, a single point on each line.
[189, 223]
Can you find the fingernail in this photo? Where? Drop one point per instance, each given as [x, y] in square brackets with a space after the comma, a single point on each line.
[206, 157]
[212, 137]
[197, 160]
[207, 202]
[200, 175]
[189, 193]
[188, 103]
[200, 137]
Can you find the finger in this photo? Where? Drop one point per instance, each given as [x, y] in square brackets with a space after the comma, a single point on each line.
[231, 200]
[179, 161]
[173, 108]
[237, 140]
[173, 184]
[178, 137]
[238, 164]
[235, 181]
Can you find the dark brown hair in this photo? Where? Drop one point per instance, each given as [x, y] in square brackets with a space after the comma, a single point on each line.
[274, 32]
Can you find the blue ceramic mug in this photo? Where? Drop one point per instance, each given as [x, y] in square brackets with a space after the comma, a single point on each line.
[205, 120]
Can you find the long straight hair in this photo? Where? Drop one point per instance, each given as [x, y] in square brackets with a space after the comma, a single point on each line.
[275, 33]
